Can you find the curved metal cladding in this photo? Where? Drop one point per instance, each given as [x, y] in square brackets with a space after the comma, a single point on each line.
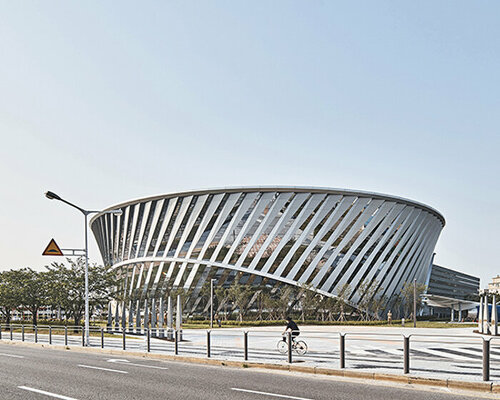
[322, 238]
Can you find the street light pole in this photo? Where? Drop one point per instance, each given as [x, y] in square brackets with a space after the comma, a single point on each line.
[87, 318]
[414, 303]
[86, 213]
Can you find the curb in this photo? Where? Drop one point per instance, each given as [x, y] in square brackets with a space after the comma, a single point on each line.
[406, 379]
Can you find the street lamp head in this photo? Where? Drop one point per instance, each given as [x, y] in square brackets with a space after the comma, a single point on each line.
[52, 196]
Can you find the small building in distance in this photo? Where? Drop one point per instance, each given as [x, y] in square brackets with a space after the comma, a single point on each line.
[449, 291]
[494, 286]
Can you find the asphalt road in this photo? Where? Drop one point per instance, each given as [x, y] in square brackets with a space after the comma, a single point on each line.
[37, 373]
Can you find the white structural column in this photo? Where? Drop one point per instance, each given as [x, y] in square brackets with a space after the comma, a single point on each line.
[153, 317]
[480, 316]
[170, 319]
[161, 319]
[110, 315]
[178, 315]
[494, 316]
[117, 316]
[146, 315]
[486, 328]
[131, 315]
[138, 321]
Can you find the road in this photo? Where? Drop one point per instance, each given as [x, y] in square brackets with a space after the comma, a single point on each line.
[38, 373]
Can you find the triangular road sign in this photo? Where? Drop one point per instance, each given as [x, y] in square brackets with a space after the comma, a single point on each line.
[52, 249]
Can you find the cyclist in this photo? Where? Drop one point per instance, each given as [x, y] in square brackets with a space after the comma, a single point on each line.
[292, 327]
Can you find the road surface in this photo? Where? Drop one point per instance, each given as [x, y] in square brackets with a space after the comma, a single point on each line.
[38, 373]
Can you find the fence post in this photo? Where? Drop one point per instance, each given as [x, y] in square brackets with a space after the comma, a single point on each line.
[50, 334]
[208, 343]
[486, 359]
[102, 338]
[123, 335]
[176, 344]
[406, 367]
[22, 333]
[289, 347]
[245, 344]
[148, 333]
[83, 336]
[65, 335]
[342, 351]
[36, 334]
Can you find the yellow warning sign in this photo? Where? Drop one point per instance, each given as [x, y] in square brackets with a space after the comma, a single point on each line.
[52, 249]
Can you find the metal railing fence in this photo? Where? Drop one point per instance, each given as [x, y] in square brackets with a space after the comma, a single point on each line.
[321, 347]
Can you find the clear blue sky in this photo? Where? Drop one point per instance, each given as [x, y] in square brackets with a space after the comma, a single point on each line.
[102, 102]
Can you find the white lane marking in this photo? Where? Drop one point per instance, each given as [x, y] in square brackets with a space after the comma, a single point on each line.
[127, 362]
[11, 355]
[57, 396]
[103, 369]
[270, 394]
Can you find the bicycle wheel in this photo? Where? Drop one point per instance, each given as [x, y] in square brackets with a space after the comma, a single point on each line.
[282, 346]
[301, 347]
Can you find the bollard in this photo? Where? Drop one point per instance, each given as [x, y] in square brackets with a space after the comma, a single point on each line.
[83, 336]
[10, 329]
[148, 337]
[36, 334]
[245, 344]
[102, 338]
[65, 335]
[406, 366]
[342, 351]
[22, 333]
[123, 335]
[486, 359]
[176, 344]
[290, 347]
[50, 335]
[0, 332]
[208, 344]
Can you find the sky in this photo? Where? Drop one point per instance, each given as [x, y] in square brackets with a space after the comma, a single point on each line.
[102, 102]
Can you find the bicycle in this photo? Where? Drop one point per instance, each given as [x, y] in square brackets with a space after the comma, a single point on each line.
[298, 346]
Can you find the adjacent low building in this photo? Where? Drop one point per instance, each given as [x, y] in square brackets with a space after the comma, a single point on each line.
[449, 292]
[315, 238]
[494, 286]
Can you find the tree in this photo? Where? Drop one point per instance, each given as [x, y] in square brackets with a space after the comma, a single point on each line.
[284, 301]
[66, 288]
[9, 294]
[407, 295]
[371, 299]
[308, 301]
[342, 300]
[221, 294]
[239, 295]
[32, 287]
[326, 306]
